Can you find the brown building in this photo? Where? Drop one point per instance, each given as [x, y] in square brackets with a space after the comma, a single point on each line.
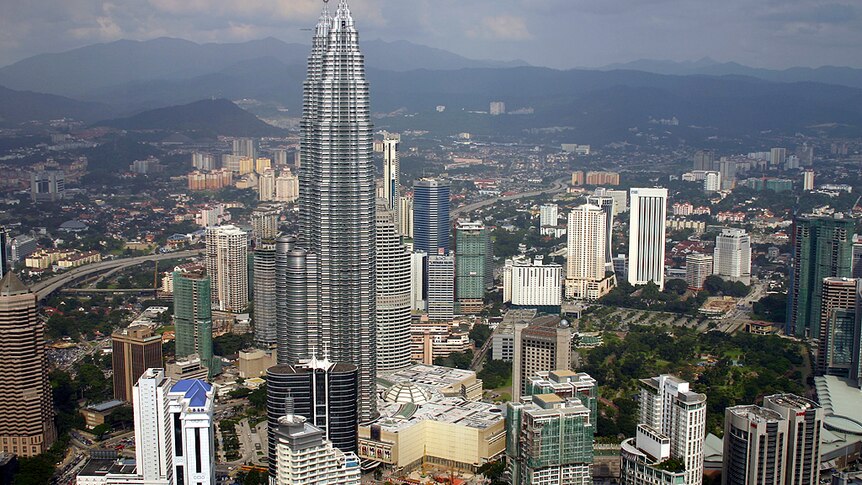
[26, 406]
[542, 346]
[135, 349]
[603, 178]
[578, 177]
[837, 344]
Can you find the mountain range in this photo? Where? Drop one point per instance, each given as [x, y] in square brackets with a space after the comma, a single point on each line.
[126, 78]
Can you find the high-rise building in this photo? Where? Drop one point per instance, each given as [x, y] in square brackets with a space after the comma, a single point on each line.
[266, 185]
[471, 266]
[174, 433]
[204, 161]
[304, 455]
[265, 313]
[391, 174]
[608, 206]
[542, 346]
[549, 215]
[808, 180]
[755, 443]
[777, 157]
[822, 247]
[441, 287]
[585, 252]
[697, 268]
[727, 169]
[227, 266]
[621, 266]
[393, 294]
[711, 181]
[286, 187]
[703, 160]
[47, 186]
[337, 197]
[264, 223]
[647, 236]
[620, 198]
[602, 178]
[804, 426]
[4, 253]
[279, 157]
[533, 284]
[672, 426]
[497, 108]
[134, 350]
[322, 392]
[567, 384]
[405, 216]
[549, 441]
[193, 318]
[418, 270]
[431, 215]
[26, 406]
[731, 257]
[839, 327]
[296, 277]
[246, 147]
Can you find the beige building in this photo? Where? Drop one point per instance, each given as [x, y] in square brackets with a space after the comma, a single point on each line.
[254, 363]
[542, 346]
[26, 407]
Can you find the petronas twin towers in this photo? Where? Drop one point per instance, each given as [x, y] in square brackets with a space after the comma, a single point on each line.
[337, 205]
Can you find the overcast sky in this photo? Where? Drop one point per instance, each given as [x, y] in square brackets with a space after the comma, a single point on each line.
[556, 33]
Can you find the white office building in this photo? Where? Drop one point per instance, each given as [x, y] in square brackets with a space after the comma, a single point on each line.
[153, 427]
[711, 181]
[532, 284]
[672, 425]
[585, 251]
[647, 236]
[731, 258]
[393, 294]
[227, 266]
[549, 215]
[304, 456]
[441, 287]
[418, 262]
[190, 410]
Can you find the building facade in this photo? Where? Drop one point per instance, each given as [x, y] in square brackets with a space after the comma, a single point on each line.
[804, 426]
[193, 318]
[755, 443]
[542, 346]
[265, 311]
[532, 284]
[431, 215]
[304, 455]
[441, 287]
[647, 236]
[227, 266]
[586, 248]
[472, 243]
[393, 295]
[134, 350]
[731, 257]
[697, 268]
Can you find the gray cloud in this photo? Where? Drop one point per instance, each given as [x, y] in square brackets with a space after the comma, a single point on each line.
[557, 33]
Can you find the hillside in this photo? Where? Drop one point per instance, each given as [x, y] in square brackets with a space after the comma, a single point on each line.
[22, 106]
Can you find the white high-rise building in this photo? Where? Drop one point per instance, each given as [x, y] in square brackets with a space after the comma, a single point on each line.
[620, 199]
[585, 251]
[549, 215]
[153, 427]
[190, 410]
[286, 187]
[391, 177]
[304, 456]
[227, 266]
[441, 287]
[418, 261]
[808, 180]
[647, 236]
[697, 268]
[266, 185]
[405, 216]
[731, 257]
[672, 425]
[497, 108]
[532, 284]
[393, 294]
[711, 181]
[609, 206]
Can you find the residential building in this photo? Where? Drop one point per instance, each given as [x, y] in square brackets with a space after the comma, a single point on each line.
[227, 266]
[393, 311]
[603, 178]
[839, 327]
[133, 351]
[286, 187]
[712, 182]
[542, 346]
[585, 253]
[532, 284]
[246, 147]
[441, 287]
[647, 236]
[26, 404]
[777, 157]
[431, 215]
[337, 199]
[731, 258]
[497, 108]
[668, 448]
[808, 180]
[804, 426]
[203, 161]
[472, 243]
[193, 318]
[822, 247]
[264, 282]
[405, 216]
[266, 185]
[323, 392]
[264, 223]
[703, 160]
[755, 444]
[608, 206]
[549, 216]
[304, 455]
[697, 268]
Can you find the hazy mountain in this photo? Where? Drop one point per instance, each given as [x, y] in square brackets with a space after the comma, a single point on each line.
[846, 76]
[79, 72]
[22, 106]
[207, 118]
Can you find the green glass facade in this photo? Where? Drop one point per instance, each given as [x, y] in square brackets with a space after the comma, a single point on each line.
[193, 319]
[822, 248]
[471, 266]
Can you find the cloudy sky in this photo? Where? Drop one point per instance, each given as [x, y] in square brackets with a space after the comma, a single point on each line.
[556, 33]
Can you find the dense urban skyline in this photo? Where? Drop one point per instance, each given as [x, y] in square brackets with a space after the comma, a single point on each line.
[541, 32]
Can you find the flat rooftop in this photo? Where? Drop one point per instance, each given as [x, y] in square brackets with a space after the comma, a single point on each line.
[432, 377]
[451, 410]
[101, 467]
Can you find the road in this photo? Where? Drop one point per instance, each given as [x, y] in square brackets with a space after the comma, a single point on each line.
[50, 285]
[557, 186]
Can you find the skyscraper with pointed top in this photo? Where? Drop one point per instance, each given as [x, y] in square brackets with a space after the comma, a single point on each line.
[337, 198]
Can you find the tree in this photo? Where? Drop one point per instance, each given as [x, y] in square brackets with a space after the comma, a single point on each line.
[676, 285]
[480, 334]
